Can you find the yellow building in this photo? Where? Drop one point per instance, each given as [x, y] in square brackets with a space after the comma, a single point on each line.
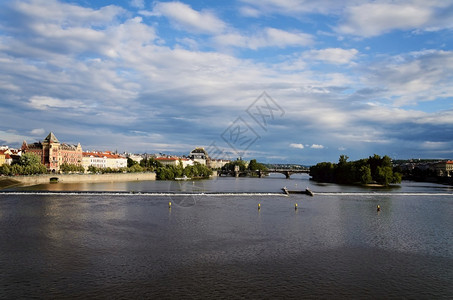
[2, 157]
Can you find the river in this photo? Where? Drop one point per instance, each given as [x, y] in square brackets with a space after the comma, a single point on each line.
[121, 240]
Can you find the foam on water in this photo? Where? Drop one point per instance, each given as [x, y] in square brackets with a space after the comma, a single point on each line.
[145, 194]
[382, 194]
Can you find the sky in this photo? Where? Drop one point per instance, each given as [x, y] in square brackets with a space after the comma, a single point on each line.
[282, 81]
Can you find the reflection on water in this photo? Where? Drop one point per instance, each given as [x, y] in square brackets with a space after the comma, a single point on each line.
[335, 245]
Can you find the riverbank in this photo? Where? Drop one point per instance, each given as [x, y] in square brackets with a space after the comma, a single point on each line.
[10, 181]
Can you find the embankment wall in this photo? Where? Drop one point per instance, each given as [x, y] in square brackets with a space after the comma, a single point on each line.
[74, 178]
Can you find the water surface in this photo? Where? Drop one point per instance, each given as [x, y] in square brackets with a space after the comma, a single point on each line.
[335, 245]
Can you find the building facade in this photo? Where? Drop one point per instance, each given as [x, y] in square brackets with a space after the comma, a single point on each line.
[115, 161]
[444, 168]
[53, 153]
[93, 159]
[199, 155]
[3, 157]
[174, 161]
[103, 160]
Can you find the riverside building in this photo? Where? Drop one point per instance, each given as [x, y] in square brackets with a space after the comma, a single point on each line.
[53, 153]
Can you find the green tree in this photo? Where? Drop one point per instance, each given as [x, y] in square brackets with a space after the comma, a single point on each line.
[165, 173]
[364, 171]
[67, 168]
[343, 170]
[29, 164]
[231, 165]
[374, 162]
[384, 175]
[93, 169]
[5, 169]
[323, 172]
[255, 167]
[28, 159]
[135, 168]
[365, 174]
[131, 162]
[150, 164]
[16, 169]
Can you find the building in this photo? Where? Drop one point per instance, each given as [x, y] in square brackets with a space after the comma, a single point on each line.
[135, 157]
[53, 153]
[94, 159]
[199, 155]
[443, 168]
[217, 163]
[3, 157]
[115, 161]
[174, 161]
[103, 160]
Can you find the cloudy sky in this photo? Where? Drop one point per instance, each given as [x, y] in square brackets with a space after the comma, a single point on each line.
[298, 81]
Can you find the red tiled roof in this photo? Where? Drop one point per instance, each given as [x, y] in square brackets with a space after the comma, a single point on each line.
[107, 154]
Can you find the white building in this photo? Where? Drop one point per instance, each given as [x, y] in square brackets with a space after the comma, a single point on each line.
[115, 161]
[199, 155]
[94, 159]
[174, 161]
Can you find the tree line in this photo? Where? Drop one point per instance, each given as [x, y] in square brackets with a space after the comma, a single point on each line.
[28, 164]
[253, 166]
[374, 169]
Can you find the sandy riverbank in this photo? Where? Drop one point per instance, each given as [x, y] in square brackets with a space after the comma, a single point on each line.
[74, 178]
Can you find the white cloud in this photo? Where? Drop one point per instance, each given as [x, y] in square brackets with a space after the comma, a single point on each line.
[436, 118]
[372, 19]
[43, 102]
[73, 15]
[12, 137]
[316, 146]
[269, 37]
[433, 145]
[413, 78]
[248, 11]
[297, 146]
[332, 55]
[38, 132]
[138, 3]
[362, 18]
[294, 7]
[188, 19]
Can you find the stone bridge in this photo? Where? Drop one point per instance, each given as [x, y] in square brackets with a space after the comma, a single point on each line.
[286, 172]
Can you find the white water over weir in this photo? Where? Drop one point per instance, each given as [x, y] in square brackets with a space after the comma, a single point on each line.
[241, 194]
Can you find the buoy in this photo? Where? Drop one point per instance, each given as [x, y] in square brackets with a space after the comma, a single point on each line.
[378, 207]
[295, 206]
[259, 206]
[169, 204]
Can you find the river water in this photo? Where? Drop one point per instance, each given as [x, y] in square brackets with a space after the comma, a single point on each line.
[121, 240]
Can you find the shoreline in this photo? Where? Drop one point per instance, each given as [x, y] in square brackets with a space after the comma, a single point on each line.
[24, 180]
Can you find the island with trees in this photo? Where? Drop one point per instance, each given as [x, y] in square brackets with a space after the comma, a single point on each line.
[373, 170]
[251, 168]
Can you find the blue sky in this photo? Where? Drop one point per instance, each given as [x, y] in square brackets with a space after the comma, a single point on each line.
[298, 81]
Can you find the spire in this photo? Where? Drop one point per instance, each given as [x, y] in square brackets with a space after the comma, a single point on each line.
[51, 138]
[24, 146]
